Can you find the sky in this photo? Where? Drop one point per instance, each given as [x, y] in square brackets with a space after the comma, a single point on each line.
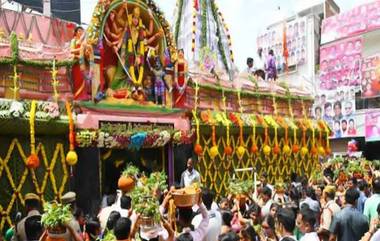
[245, 18]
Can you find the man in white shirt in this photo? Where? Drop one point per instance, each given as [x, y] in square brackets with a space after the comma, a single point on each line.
[190, 175]
[215, 218]
[250, 69]
[260, 64]
[306, 221]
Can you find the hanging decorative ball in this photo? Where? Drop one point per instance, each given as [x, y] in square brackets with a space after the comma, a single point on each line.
[328, 151]
[295, 149]
[198, 149]
[266, 150]
[304, 151]
[228, 150]
[276, 149]
[71, 158]
[314, 151]
[286, 150]
[321, 151]
[214, 152]
[240, 151]
[33, 161]
[254, 149]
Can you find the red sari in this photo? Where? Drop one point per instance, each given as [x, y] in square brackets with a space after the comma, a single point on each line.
[79, 85]
[180, 88]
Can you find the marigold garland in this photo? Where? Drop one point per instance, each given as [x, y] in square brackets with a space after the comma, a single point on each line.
[214, 149]
[54, 81]
[228, 35]
[254, 148]
[71, 157]
[197, 148]
[194, 29]
[33, 160]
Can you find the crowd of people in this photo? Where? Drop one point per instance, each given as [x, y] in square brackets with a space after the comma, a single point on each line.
[262, 68]
[300, 209]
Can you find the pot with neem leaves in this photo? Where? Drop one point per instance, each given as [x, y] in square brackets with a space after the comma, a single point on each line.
[55, 218]
[127, 180]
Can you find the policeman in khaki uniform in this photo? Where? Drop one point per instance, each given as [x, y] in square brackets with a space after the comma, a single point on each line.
[32, 219]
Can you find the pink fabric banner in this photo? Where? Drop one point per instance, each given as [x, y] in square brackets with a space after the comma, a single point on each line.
[361, 19]
[341, 64]
[371, 76]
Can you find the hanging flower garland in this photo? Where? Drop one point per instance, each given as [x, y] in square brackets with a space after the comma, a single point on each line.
[197, 148]
[214, 10]
[304, 149]
[71, 157]
[204, 11]
[241, 149]
[295, 147]
[228, 35]
[227, 149]
[290, 108]
[276, 148]
[33, 161]
[274, 104]
[178, 22]
[54, 81]
[214, 149]
[314, 149]
[254, 148]
[194, 28]
[15, 78]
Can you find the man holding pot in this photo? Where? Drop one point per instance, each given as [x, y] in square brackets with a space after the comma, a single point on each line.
[190, 175]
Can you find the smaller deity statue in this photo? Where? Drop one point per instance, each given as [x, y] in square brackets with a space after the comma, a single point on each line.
[180, 80]
[159, 82]
[86, 62]
[76, 49]
[148, 88]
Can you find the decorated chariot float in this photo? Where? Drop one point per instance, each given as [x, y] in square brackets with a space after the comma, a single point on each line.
[127, 90]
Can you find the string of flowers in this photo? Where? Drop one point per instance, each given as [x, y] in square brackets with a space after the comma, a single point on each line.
[228, 35]
[254, 148]
[214, 149]
[290, 108]
[54, 81]
[304, 114]
[197, 148]
[274, 104]
[71, 157]
[227, 148]
[214, 10]
[204, 24]
[194, 29]
[241, 149]
[295, 147]
[15, 78]
[33, 161]
[178, 22]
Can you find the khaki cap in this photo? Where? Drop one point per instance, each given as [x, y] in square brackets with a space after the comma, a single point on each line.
[69, 197]
[32, 196]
